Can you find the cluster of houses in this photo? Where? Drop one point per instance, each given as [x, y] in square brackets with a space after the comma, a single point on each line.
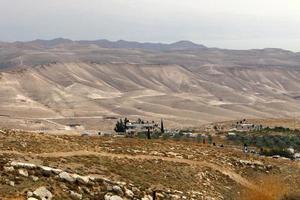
[245, 126]
[134, 127]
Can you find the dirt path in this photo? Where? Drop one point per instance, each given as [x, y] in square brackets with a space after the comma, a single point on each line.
[231, 174]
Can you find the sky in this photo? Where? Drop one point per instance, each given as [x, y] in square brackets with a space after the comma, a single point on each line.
[233, 24]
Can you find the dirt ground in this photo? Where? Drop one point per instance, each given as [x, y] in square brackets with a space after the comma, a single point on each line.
[212, 171]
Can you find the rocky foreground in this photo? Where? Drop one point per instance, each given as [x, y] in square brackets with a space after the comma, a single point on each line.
[38, 166]
[76, 186]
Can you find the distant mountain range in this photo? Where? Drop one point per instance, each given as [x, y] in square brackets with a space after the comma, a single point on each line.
[181, 45]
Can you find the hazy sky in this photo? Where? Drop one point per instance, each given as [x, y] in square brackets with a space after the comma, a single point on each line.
[238, 24]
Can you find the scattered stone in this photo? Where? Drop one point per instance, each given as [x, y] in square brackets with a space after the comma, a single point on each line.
[121, 183]
[81, 179]
[11, 183]
[50, 169]
[23, 165]
[43, 193]
[136, 191]
[87, 190]
[174, 196]
[23, 172]
[9, 169]
[29, 194]
[110, 196]
[147, 197]
[115, 197]
[117, 189]
[251, 163]
[32, 198]
[160, 195]
[35, 178]
[129, 193]
[75, 195]
[67, 177]
[109, 188]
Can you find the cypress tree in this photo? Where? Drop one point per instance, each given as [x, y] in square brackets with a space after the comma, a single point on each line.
[162, 126]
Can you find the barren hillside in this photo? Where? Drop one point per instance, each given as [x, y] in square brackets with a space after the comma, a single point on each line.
[181, 82]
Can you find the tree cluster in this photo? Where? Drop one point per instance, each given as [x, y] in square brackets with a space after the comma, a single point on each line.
[121, 126]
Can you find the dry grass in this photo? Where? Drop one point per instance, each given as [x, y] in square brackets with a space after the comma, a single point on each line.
[268, 188]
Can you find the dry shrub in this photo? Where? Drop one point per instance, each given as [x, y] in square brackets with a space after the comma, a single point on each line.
[266, 188]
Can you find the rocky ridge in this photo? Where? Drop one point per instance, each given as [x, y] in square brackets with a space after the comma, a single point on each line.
[81, 187]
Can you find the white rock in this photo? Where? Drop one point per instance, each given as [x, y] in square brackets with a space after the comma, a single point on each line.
[75, 195]
[8, 169]
[29, 194]
[43, 193]
[147, 197]
[23, 172]
[35, 178]
[291, 150]
[121, 183]
[117, 189]
[11, 183]
[24, 165]
[135, 190]
[113, 197]
[160, 195]
[81, 179]
[107, 196]
[129, 193]
[67, 177]
[50, 169]
[32, 198]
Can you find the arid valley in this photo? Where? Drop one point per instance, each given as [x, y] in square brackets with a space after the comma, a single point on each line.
[48, 84]
[199, 123]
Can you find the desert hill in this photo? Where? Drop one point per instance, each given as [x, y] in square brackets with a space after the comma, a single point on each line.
[185, 83]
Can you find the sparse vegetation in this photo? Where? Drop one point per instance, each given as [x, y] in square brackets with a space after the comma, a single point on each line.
[156, 163]
[266, 140]
[268, 188]
[120, 126]
[277, 152]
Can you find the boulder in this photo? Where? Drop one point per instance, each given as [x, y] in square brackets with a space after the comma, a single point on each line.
[43, 194]
[35, 178]
[117, 189]
[136, 191]
[115, 197]
[175, 196]
[67, 177]
[109, 196]
[31, 198]
[11, 183]
[23, 172]
[23, 165]
[147, 197]
[128, 193]
[160, 195]
[29, 194]
[8, 169]
[50, 169]
[81, 179]
[75, 195]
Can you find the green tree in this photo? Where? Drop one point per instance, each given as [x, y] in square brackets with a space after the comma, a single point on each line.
[125, 123]
[210, 139]
[162, 126]
[120, 126]
[148, 134]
